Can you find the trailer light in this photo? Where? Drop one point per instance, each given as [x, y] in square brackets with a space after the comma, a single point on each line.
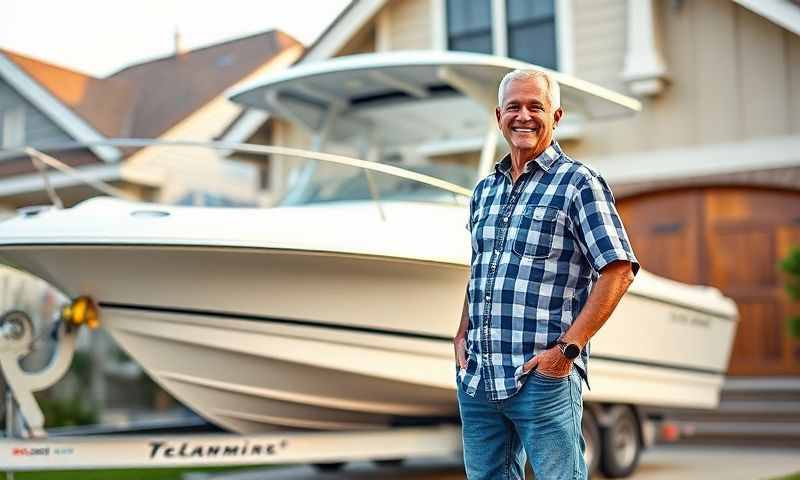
[82, 311]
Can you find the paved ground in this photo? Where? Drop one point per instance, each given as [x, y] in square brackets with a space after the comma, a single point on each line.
[724, 463]
[661, 463]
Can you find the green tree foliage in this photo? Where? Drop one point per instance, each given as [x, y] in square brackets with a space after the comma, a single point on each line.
[791, 266]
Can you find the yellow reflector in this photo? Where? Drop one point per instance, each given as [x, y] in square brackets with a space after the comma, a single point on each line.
[81, 311]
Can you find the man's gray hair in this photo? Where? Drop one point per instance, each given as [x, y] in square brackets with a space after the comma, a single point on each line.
[553, 89]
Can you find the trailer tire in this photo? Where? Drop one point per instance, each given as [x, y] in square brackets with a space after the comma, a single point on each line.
[591, 435]
[329, 467]
[622, 445]
[390, 462]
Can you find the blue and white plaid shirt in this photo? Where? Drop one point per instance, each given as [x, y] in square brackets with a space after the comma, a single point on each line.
[537, 247]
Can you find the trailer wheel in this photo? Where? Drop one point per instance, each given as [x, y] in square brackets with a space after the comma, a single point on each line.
[329, 467]
[390, 462]
[622, 446]
[591, 435]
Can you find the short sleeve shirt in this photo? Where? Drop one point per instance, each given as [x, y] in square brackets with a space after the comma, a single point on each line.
[537, 247]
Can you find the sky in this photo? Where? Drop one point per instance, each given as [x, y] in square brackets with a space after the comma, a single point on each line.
[99, 37]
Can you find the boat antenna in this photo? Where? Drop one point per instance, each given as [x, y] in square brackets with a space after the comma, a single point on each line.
[41, 161]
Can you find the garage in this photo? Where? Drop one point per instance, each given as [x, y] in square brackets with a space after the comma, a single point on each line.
[731, 238]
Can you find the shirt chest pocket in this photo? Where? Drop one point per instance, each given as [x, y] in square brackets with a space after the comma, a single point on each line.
[535, 234]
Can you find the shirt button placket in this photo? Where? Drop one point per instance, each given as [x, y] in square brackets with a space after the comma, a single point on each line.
[506, 216]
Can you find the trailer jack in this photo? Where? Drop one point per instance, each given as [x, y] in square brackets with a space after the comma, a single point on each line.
[16, 341]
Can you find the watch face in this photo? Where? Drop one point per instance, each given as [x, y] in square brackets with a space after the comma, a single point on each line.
[572, 351]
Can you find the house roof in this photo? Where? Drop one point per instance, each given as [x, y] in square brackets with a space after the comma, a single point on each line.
[100, 102]
[341, 29]
[146, 99]
[168, 89]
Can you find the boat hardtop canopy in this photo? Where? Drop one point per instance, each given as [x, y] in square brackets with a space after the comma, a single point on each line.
[411, 97]
[357, 80]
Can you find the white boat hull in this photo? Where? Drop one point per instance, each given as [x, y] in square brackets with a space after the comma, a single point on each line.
[256, 338]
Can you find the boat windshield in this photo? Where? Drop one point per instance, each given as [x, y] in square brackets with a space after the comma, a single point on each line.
[321, 184]
[217, 174]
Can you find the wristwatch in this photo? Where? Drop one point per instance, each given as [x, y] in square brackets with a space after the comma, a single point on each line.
[570, 350]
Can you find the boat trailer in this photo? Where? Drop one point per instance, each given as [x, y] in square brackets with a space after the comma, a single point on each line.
[26, 446]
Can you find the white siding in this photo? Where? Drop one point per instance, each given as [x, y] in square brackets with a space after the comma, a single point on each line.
[733, 76]
[793, 57]
[599, 33]
[409, 23]
[763, 75]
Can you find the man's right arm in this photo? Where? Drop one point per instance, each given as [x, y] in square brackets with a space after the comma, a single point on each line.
[460, 340]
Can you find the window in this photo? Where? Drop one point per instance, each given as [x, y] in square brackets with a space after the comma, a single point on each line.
[531, 30]
[13, 127]
[469, 25]
[521, 29]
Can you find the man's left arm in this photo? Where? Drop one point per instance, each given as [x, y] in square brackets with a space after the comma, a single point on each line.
[604, 243]
[615, 278]
[606, 293]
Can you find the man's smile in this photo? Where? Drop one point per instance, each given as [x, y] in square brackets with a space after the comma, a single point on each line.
[524, 130]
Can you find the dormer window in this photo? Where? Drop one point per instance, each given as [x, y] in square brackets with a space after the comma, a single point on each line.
[469, 26]
[531, 32]
[521, 29]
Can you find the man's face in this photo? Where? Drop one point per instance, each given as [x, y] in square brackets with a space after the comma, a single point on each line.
[526, 117]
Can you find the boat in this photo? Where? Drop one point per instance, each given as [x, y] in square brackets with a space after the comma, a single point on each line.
[335, 310]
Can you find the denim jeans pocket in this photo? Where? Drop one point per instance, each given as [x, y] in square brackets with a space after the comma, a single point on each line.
[548, 378]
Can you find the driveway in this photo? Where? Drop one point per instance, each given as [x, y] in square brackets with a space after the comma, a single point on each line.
[660, 463]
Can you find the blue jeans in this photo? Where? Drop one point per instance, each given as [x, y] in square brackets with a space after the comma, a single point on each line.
[543, 420]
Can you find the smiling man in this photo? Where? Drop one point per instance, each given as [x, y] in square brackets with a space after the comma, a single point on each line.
[550, 262]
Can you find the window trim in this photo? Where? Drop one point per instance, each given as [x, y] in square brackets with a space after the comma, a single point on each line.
[564, 38]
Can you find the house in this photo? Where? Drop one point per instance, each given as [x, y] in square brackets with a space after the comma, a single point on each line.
[707, 177]
[175, 97]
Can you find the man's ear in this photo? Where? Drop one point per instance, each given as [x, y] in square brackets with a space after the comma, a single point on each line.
[557, 116]
[497, 115]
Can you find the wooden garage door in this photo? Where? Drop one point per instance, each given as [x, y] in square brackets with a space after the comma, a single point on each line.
[731, 239]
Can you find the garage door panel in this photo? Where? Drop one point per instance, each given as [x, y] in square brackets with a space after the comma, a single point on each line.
[733, 239]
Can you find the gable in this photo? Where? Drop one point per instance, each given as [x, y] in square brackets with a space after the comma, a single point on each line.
[340, 32]
[103, 103]
[39, 128]
[783, 13]
[46, 102]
